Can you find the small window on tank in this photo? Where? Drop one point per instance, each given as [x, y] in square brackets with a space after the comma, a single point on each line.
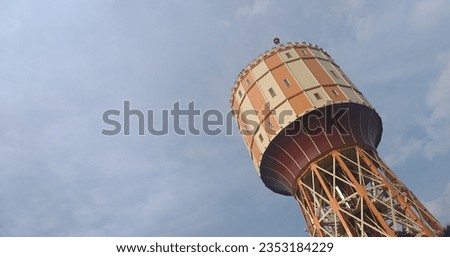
[304, 53]
[271, 92]
[286, 82]
[334, 74]
[334, 92]
[288, 55]
[269, 124]
[317, 95]
[240, 93]
[248, 82]
[261, 138]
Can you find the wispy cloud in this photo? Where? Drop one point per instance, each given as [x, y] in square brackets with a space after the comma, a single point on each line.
[441, 205]
[437, 125]
[402, 149]
[428, 13]
[374, 24]
[259, 7]
[354, 4]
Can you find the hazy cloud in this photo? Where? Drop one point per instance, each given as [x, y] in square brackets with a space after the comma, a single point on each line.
[437, 125]
[355, 4]
[429, 13]
[401, 149]
[441, 206]
[259, 7]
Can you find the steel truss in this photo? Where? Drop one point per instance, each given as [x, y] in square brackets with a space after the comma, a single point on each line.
[352, 192]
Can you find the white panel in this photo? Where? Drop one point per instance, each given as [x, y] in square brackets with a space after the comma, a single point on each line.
[249, 116]
[241, 89]
[246, 104]
[358, 96]
[262, 145]
[317, 53]
[285, 114]
[265, 84]
[302, 74]
[351, 94]
[349, 82]
[362, 97]
[324, 98]
[289, 55]
[259, 70]
[329, 68]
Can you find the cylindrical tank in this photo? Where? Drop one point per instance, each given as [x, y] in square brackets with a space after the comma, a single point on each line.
[312, 134]
[295, 104]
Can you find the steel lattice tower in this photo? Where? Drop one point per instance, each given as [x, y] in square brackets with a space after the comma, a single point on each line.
[312, 134]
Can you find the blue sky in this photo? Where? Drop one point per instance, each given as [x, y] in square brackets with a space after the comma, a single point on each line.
[63, 63]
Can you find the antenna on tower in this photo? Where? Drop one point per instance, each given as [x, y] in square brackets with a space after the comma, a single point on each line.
[276, 41]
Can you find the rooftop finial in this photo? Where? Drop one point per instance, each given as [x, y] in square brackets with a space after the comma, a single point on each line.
[276, 41]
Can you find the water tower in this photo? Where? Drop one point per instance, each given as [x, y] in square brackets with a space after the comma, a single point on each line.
[313, 135]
